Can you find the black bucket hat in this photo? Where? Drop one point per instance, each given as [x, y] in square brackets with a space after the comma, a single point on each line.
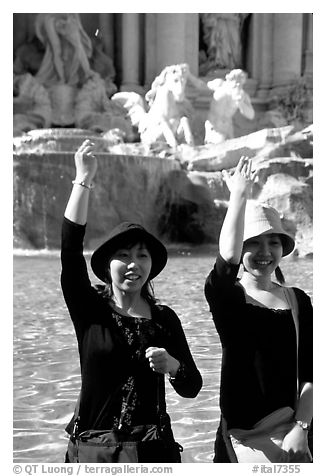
[126, 232]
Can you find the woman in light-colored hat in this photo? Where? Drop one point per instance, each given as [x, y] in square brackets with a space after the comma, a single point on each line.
[265, 330]
[127, 342]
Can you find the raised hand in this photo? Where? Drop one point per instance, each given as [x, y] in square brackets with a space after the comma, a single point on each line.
[242, 179]
[86, 162]
[231, 236]
[86, 166]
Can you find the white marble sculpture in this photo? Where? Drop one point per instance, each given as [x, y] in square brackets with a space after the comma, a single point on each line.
[95, 111]
[165, 115]
[229, 96]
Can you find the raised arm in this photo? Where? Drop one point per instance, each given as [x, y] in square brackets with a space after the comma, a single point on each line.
[231, 236]
[75, 282]
[86, 166]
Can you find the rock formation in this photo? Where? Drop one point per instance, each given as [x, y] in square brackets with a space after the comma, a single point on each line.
[284, 164]
[183, 198]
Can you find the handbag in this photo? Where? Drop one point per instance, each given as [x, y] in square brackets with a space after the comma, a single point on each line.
[263, 443]
[139, 444]
[152, 443]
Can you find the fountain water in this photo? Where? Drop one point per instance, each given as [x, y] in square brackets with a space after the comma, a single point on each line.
[128, 187]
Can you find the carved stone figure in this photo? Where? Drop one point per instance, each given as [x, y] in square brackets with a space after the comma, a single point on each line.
[66, 90]
[63, 97]
[95, 111]
[28, 57]
[100, 61]
[67, 49]
[166, 115]
[222, 35]
[32, 105]
[229, 96]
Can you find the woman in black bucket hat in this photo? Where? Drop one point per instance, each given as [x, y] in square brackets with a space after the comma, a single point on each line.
[127, 342]
[126, 233]
[265, 330]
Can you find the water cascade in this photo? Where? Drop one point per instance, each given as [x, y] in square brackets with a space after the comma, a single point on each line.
[128, 187]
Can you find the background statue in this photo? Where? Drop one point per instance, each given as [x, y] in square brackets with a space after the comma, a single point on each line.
[95, 111]
[67, 49]
[31, 104]
[28, 57]
[229, 96]
[222, 35]
[167, 112]
[100, 61]
[103, 64]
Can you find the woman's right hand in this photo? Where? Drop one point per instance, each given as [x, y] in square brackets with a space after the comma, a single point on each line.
[231, 235]
[86, 162]
[242, 179]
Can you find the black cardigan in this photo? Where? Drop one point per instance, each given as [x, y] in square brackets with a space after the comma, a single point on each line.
[104, 361]
[258, 372]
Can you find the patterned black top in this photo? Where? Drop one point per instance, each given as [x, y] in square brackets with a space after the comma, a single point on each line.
[118, 386]
[138, 334]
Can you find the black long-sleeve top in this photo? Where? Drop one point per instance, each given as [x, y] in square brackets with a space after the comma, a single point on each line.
[114, 371]
[259, 362]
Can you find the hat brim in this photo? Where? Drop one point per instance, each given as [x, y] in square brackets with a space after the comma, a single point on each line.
[288, 243]
[261, 219]
[100, 257]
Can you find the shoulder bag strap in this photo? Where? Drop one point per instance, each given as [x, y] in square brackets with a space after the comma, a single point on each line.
[292, 300]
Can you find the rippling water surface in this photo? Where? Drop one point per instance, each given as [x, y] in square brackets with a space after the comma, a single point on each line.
[46, 363]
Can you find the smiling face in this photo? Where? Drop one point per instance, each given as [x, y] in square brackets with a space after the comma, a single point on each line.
[262, 254]
[130, 267]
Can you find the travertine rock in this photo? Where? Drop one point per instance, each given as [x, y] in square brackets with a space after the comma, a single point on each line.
[178, 204]
[266, 143]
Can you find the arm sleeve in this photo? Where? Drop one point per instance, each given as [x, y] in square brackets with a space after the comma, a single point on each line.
[305, 362]
[224, 297]
[75, 283]
[188, 380]
[222, 277]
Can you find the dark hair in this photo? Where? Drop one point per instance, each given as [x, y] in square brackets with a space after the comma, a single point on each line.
[279, 275]
[147, 291]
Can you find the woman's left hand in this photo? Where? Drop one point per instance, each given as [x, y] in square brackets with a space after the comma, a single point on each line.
[295, 444]
[243, 178]
[161, 361]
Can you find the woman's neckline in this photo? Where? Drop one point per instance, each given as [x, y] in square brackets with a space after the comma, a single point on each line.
[252, 301]
[125, 314]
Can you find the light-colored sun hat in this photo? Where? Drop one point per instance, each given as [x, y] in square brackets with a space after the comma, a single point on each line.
[261, 219]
